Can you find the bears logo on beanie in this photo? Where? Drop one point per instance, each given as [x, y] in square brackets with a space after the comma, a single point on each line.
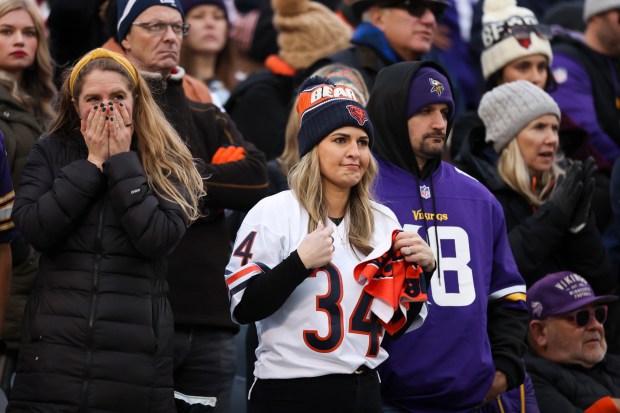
[429, 87]
[129, 10]
[308, 31]
[325, 107]
[509, 33]
[508, 108]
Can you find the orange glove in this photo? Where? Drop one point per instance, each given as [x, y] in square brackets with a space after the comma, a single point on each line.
[228, 154]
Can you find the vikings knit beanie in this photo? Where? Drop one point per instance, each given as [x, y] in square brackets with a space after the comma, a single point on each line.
[187, 5]
[129, 10]
[508, 108]
[429, 87]
[324, 107]
[501, 20]
[594, 7]
[307, 31]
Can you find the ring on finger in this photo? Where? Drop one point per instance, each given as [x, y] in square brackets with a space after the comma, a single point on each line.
[128, 124]
[408, 251]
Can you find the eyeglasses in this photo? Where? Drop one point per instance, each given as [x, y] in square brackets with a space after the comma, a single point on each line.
[417, 8]
[159, 28]
[582, 317]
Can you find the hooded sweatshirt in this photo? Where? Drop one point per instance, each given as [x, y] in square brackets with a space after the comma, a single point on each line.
[477, 317]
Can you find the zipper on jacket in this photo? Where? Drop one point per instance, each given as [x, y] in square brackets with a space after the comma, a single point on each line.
[93, 307]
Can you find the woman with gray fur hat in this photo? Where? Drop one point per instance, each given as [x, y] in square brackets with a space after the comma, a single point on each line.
[548, 208]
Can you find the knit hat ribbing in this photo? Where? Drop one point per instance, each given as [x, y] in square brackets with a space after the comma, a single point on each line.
[508, 108]
[325, 107]
[594, 7]
[308, 31]
[129, 10]
[502, 48]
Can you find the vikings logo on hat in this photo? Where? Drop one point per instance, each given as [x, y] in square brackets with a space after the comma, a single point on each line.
[537, 308]
[358, 114]
[437, 86]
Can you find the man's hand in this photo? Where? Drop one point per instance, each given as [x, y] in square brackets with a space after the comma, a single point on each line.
[499, 386]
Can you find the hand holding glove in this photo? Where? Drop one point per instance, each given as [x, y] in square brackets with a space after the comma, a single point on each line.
[568, 190]
[582, 210]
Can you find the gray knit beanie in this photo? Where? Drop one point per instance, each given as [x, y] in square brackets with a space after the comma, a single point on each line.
[593, 7]
[508, 108]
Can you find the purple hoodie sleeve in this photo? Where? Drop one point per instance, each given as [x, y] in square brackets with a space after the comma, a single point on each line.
[574, 96]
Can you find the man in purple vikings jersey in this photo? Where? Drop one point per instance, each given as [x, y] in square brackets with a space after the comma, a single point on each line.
[8, 231]
[469, 350]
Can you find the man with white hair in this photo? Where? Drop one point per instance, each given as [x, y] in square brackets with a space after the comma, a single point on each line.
[568, 360]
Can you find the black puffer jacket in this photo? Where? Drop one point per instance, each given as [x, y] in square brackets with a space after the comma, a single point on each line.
[98, 328]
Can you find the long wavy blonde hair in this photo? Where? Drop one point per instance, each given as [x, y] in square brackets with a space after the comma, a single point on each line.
[36, 91]
[167, 162]
[514, 172]
[305, 182]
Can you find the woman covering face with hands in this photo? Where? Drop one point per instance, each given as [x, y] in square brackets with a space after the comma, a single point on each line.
[323, 270]
[105, 195]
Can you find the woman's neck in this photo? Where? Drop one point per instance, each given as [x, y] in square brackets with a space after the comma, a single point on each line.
[337, 200]
[204, 66]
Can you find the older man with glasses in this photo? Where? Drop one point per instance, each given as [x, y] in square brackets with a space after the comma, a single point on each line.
[568, 360]
[151, 33]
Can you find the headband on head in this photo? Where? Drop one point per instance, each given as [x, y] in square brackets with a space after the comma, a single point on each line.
[101, 54]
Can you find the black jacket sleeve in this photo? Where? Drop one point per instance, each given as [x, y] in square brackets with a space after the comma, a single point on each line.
[235, 185]
[154, 225]
[267, 292]
[507, 327]
[47, 209]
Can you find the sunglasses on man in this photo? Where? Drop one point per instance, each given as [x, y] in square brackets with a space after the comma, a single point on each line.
[581, 318]
[417, 8]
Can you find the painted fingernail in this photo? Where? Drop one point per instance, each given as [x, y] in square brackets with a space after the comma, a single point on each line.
[111, 119]
[95, 108]
[111, 108]
[106, 118]
[103, 108]
[101, 104]
[110, 103]
[120, 103]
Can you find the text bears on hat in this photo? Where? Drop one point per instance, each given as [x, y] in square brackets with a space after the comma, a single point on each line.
[328, 92]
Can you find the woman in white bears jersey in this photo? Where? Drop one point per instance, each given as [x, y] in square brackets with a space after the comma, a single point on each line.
[324, 271]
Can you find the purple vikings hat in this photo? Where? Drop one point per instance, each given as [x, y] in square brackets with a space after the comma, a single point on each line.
[559, 293]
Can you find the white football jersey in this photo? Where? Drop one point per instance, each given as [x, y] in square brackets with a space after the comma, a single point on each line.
[325, 326]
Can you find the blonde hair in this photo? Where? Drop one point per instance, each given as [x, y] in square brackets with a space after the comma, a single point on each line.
[305, 183]
[514, 172]
[36, 91]
[168, 164]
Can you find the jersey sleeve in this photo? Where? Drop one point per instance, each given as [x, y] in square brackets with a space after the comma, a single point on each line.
[257, 249]
[506, 281]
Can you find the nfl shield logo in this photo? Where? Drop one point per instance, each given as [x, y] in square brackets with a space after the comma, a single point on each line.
[425, 191]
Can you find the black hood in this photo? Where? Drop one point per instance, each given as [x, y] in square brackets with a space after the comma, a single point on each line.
[387, 108]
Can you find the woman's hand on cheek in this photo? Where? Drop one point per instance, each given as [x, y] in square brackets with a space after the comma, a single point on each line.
[96, 135]
[120, 133]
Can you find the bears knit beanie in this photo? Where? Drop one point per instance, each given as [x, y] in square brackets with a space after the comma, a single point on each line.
[594, 7]
[324, 107]
[509, 33]
[429, 87]
[308, 31]
[508, 108]
[129, 10]
[190, 4]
